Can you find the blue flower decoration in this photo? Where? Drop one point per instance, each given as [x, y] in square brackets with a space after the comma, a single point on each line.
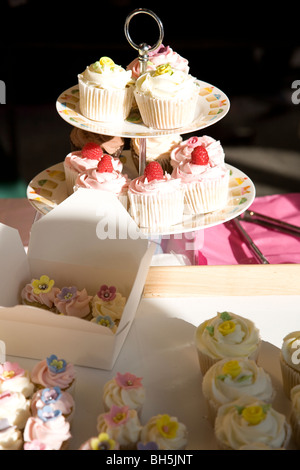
[105, 320]
[148, 446]
[56, 365]
[67, 294]
[50, 395]
[47, 413]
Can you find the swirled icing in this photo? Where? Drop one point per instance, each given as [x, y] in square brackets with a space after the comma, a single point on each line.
[234, 431]
[46, 299]
[183, 152]
[14, 407]
[242, 342]
[141, 185]
[290, 350]
[79, 306]
[10, 438]
[15, 382]
[42, 376]
[105, 76]
[114, 394]
[162, 55]
[126, 434]
[166, 86]
[65, 403]
[251, 379]
[114, 308]
[151, 433]
[114, 182]
[157, 147]
[52, 432]
[80, 164]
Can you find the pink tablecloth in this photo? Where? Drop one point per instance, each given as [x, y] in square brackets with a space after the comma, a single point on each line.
[222, 245]
[219, 245]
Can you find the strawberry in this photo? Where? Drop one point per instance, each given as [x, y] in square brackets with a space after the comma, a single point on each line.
[200, 156]
[105, 164]
[153, 171]
[92, 150]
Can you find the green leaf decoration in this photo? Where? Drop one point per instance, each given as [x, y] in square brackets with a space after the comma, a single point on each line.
[243, 378]
[225, 316]
[210, 330]
[239, 409]
[222, 377]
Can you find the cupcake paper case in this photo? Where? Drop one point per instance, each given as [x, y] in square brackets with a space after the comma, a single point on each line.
[290, 361]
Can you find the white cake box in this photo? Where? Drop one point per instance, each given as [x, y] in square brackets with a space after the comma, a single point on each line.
[87, 241]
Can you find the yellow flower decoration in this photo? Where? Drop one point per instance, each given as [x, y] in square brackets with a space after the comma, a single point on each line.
[107, 61]
[253, 414]
[226, 327]
[166, 426]
[102, 442]
[42, 285]
[232, 368]
[164, 68]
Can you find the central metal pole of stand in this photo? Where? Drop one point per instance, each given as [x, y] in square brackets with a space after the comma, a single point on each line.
[143, 59]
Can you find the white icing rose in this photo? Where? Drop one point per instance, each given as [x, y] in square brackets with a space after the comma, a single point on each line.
[290, 350]
[106, 74]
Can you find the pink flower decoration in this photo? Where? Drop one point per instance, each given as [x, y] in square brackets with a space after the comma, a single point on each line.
[107, 293]
[117, 415]
[9, 370]
[35, 445]
[128, 380]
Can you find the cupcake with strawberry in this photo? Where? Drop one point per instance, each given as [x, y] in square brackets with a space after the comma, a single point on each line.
[85, 159]
[156, 199]
[199, 164]
[105, 178]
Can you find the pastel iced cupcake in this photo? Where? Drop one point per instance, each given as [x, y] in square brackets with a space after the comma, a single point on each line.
[108, 302]
[40, 293]
[122, 424]
[167, 98]
[83, 160]
[54, 372]
[161, 55]
[156, 199]
[101, 442]
[10, 436]
[157, 149]
[113, 145]
[166, 432]
[203, 174]
[13, 378]
[124, 390]
[247, 421]
[290, 361]
[229, 379]
[226, 335]
[106, 91]
[56, 398]
[182, 152]
[73, 302]
[14, 407]
[49, 427]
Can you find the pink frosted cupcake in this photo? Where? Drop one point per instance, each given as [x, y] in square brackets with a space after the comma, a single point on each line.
[121, 424]
[161, 55]
[54, 372]
[102, 442]
[183, 151]
[73, 302]
[83, 160]
[204, 175]
[13, 378]
[58, 400]
[156, 199]
[48, 427]
[40, 293]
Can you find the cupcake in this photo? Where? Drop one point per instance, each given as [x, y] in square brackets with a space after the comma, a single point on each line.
[226, 335]
[108, 302]
[167, 98]
[13, 378]
[112, 145]
[73, 302]
[156, 199]
[54, 372]
[10, 436]
[122, 424]
[83, 160]
[40, 293]
[290, 362]
[36, 445]
[165, 431]
[203, 174]
[58, 400]
[105, 91]
[105, 178]
[14, 407]
[124, 390]
[48, 427]
[161, 55]
[248, 420]
[157, 149]
[102, 442]
[229, 379]
[295, 414]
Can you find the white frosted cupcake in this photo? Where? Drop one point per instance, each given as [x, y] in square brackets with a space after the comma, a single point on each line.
[13, 378]
[226, 335]
[165, 431]
[156, 199]
[290, 361]
[247, 421]
[14, 407]
[167, 98]
[121, 424]
[157, 149]
[229, 379]
[124, 390]
[199, 164]
[106, 91]
[10, 436]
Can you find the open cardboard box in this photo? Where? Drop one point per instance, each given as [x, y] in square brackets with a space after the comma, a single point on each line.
[86, 241]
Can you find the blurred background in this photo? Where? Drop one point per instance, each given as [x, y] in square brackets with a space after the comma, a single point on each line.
[250, 52]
